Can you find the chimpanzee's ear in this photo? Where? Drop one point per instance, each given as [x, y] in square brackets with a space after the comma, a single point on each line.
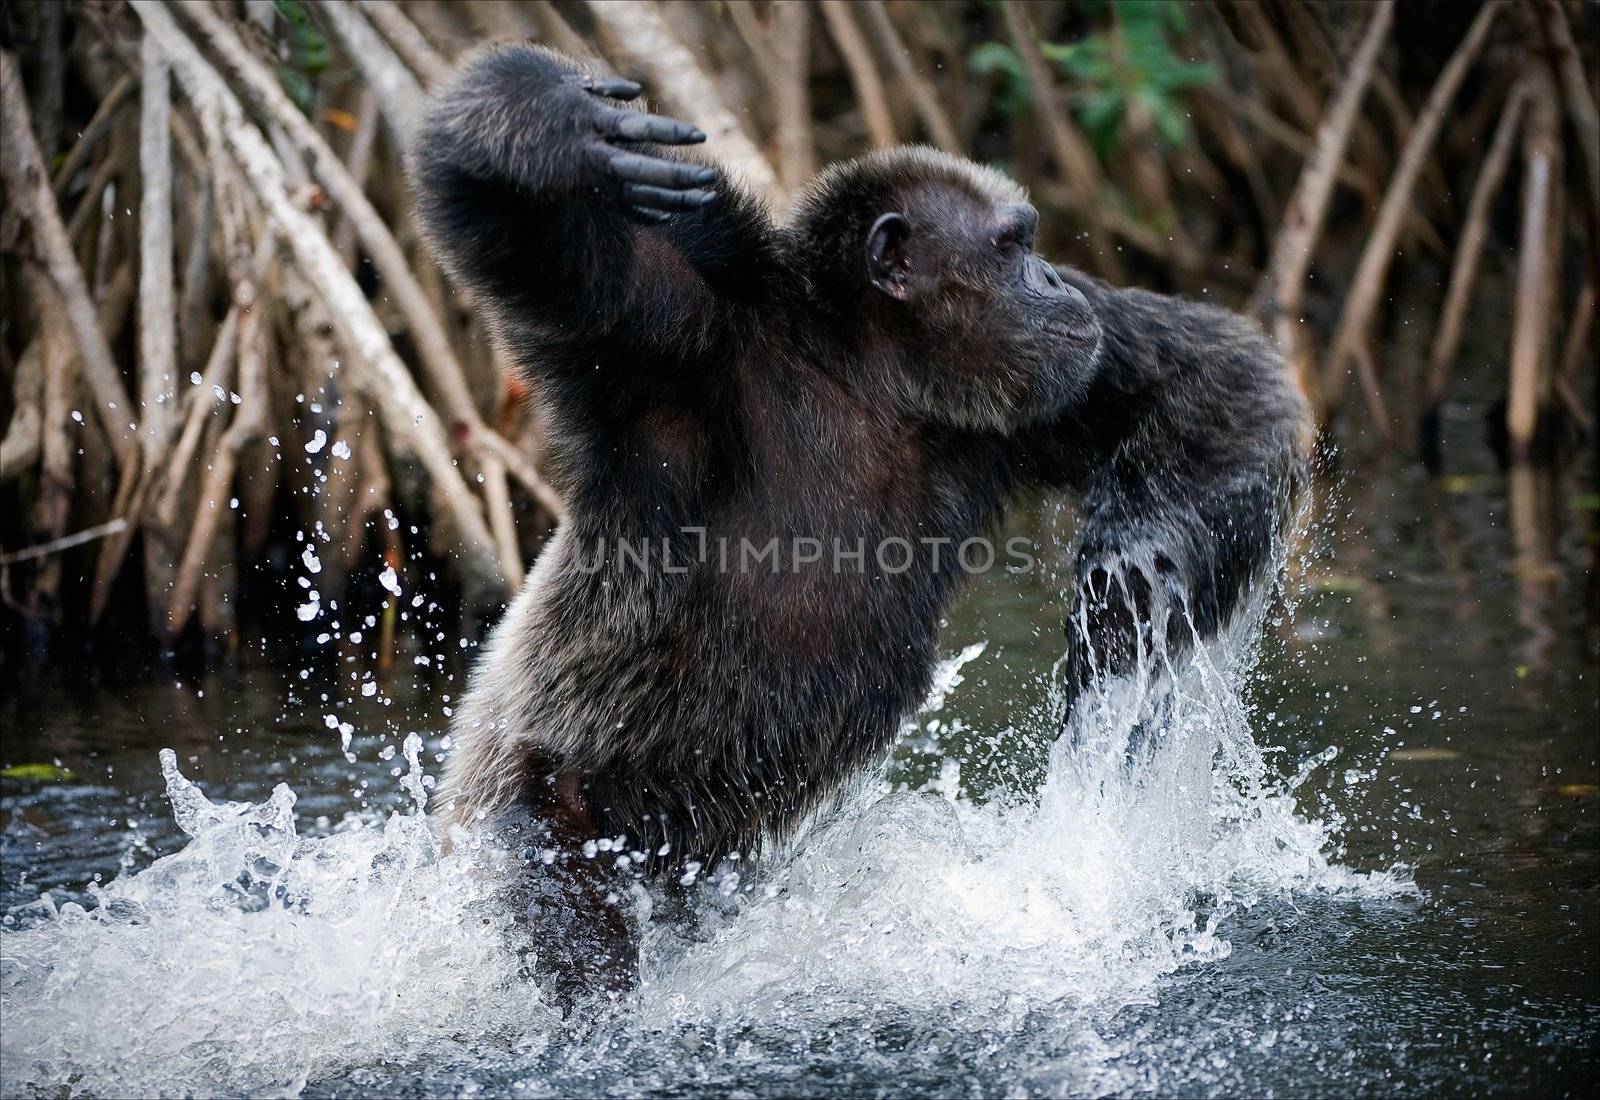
[888, 259]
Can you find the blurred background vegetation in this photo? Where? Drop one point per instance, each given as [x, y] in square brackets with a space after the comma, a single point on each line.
[235, 386]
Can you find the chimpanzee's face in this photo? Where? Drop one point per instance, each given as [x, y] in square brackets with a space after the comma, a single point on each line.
[996, 338]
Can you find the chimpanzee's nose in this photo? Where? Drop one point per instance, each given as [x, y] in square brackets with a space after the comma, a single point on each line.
[1044, 277]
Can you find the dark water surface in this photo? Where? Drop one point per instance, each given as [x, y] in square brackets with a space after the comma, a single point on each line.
[1443, 651]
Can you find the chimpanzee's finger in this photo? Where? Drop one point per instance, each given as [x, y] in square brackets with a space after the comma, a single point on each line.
[647, 216]
[660, 198]
[612, 87]
[639, 168]
[637, 126]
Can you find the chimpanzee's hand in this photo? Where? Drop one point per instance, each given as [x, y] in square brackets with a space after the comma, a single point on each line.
[652, 187]
[1133, 605]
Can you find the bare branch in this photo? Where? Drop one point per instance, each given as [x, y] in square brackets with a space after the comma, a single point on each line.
[1474, 230]
[29, 186]
[1277, 297]
[923, 97]
[430, 66]
[1367, 284]
[158, 360]
[20, 447]
[1578, 97]
[1074, 159]
[411, 421]
[1566, 381]
[782, 51]
[863, 70]
[439, 361]
[359, 161]
[399, 94]
[1536, 248]
[65, 542]
[99, 125]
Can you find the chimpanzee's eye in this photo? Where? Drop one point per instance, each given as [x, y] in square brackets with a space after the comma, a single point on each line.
[1011, 240]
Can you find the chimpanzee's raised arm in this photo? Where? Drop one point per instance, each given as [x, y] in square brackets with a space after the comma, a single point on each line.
[1187, 456]
[563, 209]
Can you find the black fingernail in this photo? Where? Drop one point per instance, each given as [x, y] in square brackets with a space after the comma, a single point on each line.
[696, 136]
[705, 176]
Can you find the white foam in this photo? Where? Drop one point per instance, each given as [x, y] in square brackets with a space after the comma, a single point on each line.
[255, 960]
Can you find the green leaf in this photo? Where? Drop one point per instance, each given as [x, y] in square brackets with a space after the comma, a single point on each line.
[998, 58]
[36, 773]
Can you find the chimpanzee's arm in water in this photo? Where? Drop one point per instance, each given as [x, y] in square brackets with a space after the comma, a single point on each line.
[1187, 457]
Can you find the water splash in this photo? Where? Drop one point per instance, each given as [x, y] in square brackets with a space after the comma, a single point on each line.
[1082, 898]
[256, 960]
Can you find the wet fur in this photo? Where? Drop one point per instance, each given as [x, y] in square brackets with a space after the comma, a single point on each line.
[727, 372]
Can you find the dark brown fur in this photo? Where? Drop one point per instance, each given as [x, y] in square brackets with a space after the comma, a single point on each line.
[724, 373]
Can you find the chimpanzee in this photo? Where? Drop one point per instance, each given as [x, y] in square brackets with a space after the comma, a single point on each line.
[772, 439]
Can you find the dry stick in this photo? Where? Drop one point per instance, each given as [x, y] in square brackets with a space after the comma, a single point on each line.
[782, 53]
[50, 66]
[372, 495]
[65, 542]
[1269, 53]
[640, 39]
[218, 374]
[1531, 323]
[441, 23]
[1277, 296]
[1367, 285]
[29, 188]
[1074, 159]
[439, 360]
[201, 400]
[863, 71]
[53, 504]
[21, 444]
[1306, 37]
[99, 125]
[1474, 230]
[1578, 98]
[158, 342]
[104, 177]
[117, 296]
[192, 304]
[1371, 390]
[1213, 113]
[502, 19]
[362, 144]
[792, 24]
[497, 495]
[1572, 357]
[342, 411]
[755, 37]
[249, 425]
[1431, 179]
[1578, 334]
[413, 426]
[1274, 128]
[406, 40]
[1148, 180]
[923, 98]
[399, 94]
[157, 359]
[559, 32]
